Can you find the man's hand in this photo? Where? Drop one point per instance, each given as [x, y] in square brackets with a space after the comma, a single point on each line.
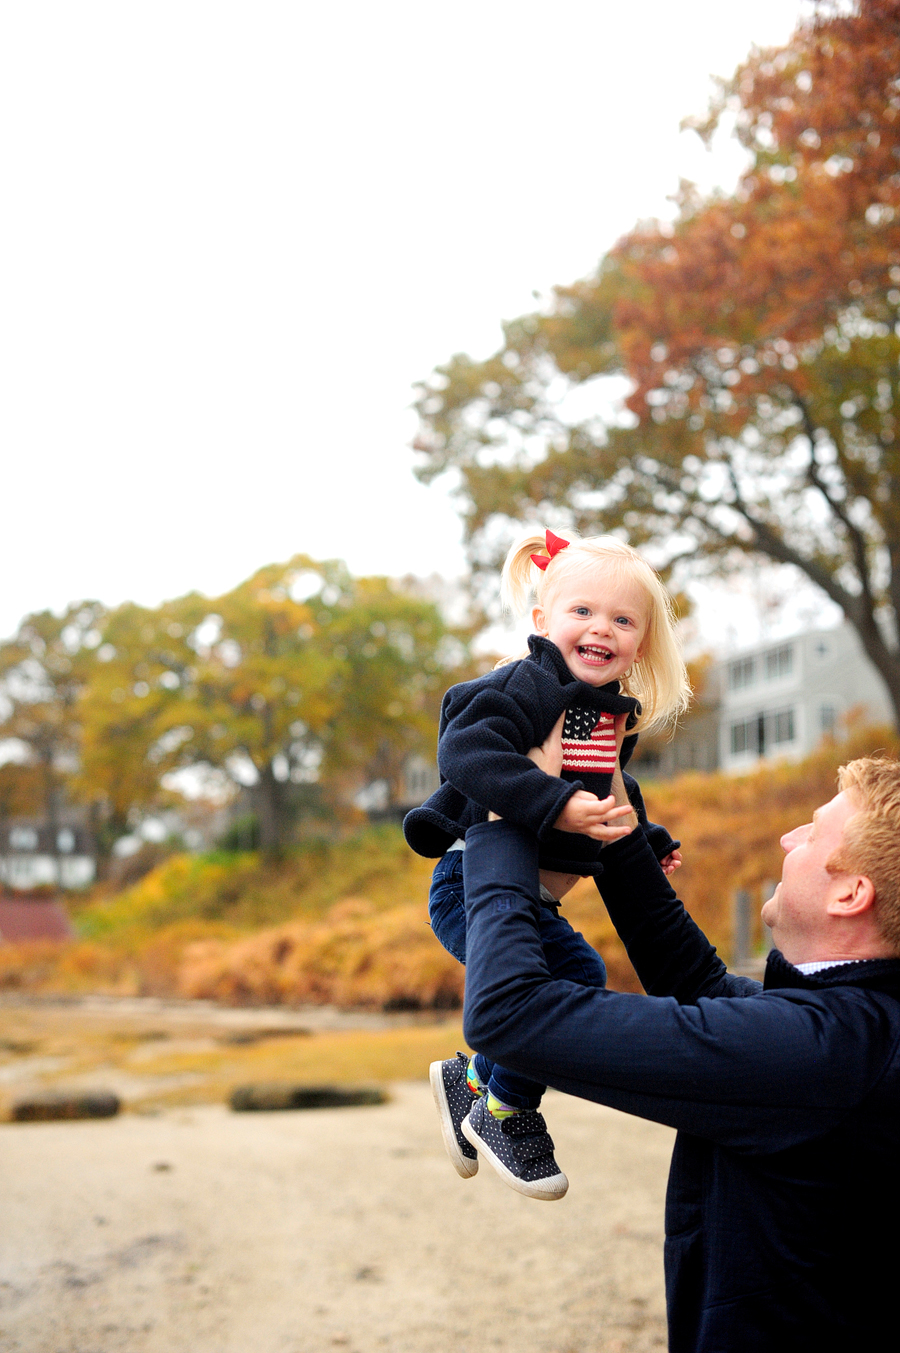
[549, 757]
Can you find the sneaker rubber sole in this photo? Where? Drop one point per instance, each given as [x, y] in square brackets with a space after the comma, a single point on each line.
[547, 1190]
[464, 1165]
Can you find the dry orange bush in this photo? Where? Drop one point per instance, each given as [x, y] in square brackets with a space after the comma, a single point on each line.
[354, 955]
[29, 965]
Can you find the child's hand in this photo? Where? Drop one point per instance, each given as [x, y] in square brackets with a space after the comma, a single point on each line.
[584, 813]
[669, 863]
[589, 816]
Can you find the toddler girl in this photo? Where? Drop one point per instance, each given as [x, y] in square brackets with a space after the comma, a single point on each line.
[605, 647]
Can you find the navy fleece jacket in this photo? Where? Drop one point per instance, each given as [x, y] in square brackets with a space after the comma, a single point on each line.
[785, 1178]
[487, 726]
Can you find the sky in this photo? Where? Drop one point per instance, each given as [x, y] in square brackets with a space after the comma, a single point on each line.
[235, 235]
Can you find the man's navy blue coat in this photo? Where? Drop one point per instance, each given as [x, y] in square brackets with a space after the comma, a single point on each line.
[784, 1187]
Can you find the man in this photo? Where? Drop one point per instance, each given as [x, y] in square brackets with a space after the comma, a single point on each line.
[784, 1187]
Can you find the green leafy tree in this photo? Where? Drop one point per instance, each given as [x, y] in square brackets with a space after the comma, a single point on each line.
[240, 684]
[302, 673]
[757, 339]
[128, 740]
[397, 653]
[44, 670]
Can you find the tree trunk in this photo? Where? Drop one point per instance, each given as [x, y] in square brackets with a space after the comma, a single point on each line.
[269, 809]
[885, 660]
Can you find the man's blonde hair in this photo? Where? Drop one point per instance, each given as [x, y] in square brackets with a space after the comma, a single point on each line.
[871, 839]
[659, 679]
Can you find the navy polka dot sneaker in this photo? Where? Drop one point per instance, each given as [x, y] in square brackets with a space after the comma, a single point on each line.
[454, 1097]
[520, 1149]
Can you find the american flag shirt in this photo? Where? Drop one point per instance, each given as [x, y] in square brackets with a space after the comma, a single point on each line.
[588, 742]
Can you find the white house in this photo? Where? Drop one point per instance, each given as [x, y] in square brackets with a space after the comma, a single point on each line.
[31, 857]
[777, 700]
[419, 779]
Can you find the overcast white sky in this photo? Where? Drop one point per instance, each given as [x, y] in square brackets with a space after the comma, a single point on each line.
[235, 234]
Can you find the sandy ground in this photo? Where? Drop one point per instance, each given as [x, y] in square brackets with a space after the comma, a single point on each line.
[203, 1231]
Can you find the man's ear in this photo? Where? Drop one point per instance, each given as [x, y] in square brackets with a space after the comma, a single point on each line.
[855, 896]
[539, 620]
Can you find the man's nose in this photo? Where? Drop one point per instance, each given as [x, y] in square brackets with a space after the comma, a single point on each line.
[793, 838]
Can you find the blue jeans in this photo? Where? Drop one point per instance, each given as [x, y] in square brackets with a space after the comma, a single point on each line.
[568, 955]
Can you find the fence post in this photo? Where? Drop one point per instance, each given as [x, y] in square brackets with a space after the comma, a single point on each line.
[741, 950]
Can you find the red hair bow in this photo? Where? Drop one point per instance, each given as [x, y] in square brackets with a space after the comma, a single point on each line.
[554, 545]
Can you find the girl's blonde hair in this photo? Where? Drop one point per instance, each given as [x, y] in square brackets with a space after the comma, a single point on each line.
[659, 680]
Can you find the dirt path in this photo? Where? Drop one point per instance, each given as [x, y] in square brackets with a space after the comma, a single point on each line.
[203, 1231]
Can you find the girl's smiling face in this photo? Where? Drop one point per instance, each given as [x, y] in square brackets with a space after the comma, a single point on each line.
[597, 617]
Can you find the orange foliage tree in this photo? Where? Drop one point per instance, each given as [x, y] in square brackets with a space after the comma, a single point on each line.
[759, 334]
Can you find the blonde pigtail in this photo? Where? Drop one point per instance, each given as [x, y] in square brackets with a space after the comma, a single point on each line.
[521, 577]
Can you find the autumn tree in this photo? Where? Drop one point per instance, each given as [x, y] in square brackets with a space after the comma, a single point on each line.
[44, 670]
[128, 738]
[300, 672]
[758, 336]
[21, 790]
[397, 654]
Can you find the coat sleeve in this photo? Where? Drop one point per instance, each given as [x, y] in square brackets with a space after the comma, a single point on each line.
[668, 950]
[487, 729]
[661, 843]
[758, 1074]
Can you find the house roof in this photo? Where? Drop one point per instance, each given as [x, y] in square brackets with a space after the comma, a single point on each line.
[33, 919]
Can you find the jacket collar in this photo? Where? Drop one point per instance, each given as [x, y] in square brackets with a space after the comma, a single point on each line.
[545, 653]
[880, 973]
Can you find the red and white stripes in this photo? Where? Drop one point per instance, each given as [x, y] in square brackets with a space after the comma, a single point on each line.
[589, 750]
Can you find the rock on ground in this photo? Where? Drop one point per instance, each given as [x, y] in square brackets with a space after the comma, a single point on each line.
[204, 1231]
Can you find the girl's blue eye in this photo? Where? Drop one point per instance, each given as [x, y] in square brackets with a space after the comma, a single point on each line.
[582, 610]
[623, 620]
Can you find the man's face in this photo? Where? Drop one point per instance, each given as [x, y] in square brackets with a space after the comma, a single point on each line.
[797, 912]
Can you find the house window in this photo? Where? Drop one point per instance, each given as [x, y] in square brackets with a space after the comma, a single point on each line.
[827, 718]
[23, 838]
[741, 673]
[758, 733]
[784, 726]
[780, 662]
[744, 736]
[65, 840]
